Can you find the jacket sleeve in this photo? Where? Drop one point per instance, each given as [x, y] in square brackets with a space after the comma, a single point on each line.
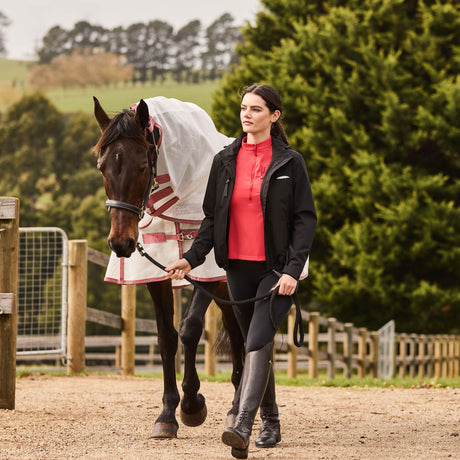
[204, 240]
[304, 220]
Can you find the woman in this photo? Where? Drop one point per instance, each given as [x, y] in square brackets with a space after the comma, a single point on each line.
[260, 219]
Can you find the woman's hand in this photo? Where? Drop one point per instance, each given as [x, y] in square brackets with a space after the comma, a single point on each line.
[287, 284]
[178, 269]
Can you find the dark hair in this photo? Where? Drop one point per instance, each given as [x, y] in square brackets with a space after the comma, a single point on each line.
[273, 101]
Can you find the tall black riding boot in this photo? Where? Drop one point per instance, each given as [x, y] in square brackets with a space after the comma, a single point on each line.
[257, 367]
[233, 412]
[270, 433]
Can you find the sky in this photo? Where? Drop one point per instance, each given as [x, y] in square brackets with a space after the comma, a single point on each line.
[30, 20]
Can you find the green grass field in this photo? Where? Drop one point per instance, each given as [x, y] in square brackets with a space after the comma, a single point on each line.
[15, 71]
[113, 99]
[13, 83]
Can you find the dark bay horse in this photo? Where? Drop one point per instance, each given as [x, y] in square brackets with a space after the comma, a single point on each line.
[127, 152]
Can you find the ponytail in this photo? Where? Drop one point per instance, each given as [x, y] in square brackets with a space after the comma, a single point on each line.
[278, 131]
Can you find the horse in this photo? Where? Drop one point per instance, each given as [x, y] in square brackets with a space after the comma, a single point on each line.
[127, 152]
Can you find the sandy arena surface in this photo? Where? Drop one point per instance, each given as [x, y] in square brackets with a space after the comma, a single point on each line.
[94, 417]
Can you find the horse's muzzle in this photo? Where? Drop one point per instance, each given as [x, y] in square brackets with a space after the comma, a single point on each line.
[122, 248]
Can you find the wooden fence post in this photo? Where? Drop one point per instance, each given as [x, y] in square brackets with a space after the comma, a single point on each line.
[118, 356]
[210, 330]
[292, 350]
[9, 250]
[402, 355]
[374, 354]
[430, 353]
[412, 354]
[313, 331]
[437, 357]
[348, 351]
[362, 352]
[421, 355]
[128, 329]
[78, 280]
[457, 356]
[331, 347]
[450, 357]
[177, 298]
[445, 356]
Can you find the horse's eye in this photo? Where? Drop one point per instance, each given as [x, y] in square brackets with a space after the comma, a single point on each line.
[143, 168]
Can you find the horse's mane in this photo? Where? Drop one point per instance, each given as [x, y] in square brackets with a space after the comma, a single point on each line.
[122, 125]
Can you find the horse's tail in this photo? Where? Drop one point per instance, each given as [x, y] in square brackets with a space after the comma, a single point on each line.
[222, 344]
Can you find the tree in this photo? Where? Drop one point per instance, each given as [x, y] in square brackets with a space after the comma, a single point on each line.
[4, 22]
[159, 49]
[87, 36]
[54, 43]
[221, 37]
[81, 68]
[29, 132]
[186, 53]
[152, 49]
[136, 35]
[372, 99]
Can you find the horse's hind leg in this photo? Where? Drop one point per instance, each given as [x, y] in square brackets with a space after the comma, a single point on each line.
[193, 409]
[166, 424]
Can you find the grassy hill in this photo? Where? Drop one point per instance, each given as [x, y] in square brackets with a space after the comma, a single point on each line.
[13, 83]
[15, 71]
[113, 99]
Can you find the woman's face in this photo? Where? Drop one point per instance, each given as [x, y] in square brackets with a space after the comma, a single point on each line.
[256, 118]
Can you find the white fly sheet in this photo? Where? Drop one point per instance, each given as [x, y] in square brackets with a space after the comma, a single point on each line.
[174, 212]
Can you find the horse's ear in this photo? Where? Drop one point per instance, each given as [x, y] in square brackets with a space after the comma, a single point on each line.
[101, 117]
[142, 114]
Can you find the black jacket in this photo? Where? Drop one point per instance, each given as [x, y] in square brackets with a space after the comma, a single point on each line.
[287, 205]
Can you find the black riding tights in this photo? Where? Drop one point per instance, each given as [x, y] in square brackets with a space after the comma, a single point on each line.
[248, 279]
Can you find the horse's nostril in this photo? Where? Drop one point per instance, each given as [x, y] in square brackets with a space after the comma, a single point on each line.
[131, 246]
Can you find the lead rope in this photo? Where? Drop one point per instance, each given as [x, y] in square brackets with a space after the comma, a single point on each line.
[298, 326]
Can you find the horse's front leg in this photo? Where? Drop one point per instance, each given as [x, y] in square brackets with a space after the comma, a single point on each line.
[166, 424]
[193, 409]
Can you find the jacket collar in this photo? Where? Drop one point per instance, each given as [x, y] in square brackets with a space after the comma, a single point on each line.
[279, 149]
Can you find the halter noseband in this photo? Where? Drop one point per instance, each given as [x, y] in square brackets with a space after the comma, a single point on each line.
[153, 154]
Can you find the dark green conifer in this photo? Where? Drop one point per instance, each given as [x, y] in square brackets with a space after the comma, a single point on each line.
[371, 90]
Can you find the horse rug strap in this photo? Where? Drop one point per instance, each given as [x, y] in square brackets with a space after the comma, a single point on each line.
[161, 237]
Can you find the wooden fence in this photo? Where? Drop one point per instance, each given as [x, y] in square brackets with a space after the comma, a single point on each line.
[329, 344]
[9, 250]
[337, 346]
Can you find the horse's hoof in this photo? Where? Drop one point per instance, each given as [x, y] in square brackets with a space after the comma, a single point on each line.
[164, 431]
[230, 422]
[195, 419]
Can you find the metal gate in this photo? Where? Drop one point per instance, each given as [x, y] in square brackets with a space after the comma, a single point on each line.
[42, 292]
[386, 362]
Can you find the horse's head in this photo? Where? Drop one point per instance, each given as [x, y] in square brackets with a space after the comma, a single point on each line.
[126, 158]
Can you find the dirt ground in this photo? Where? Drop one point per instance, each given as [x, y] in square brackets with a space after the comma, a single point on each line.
[95, 417]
